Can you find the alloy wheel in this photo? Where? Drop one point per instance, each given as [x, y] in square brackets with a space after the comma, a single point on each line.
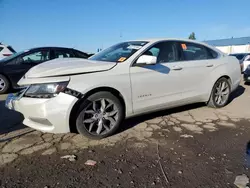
[2, 84]
[222, 91]
[100, 116]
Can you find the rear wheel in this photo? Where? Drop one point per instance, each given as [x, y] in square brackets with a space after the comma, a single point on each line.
[100, 115]
[220, 93]
[4, 84]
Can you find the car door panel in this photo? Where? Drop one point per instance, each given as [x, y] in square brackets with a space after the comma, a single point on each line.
[155, 86]
[152, 86]
[18, 67]
[195, 76]
[15, 70]
[197, 67]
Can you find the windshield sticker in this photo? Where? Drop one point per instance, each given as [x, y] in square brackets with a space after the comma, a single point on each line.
[134, 47]
[184, 46]
[122, 59]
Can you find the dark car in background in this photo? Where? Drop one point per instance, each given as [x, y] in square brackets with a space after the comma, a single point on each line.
[247, 75]
[241, 57]
[12, 68]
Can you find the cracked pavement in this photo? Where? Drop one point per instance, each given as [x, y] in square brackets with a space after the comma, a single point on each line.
[189, 121]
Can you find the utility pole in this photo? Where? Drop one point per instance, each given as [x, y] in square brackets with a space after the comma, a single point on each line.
[120, 36]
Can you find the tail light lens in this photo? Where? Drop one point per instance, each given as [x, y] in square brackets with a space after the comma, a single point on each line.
[7, 54]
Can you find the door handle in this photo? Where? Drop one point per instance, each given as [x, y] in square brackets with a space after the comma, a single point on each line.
[177, 68]
[210, 65]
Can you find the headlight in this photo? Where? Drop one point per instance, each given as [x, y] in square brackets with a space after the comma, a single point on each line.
[47, 90]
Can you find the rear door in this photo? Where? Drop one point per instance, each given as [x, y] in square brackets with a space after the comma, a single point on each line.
[198, 63]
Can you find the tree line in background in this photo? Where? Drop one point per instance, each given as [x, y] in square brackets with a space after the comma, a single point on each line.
[192, 36]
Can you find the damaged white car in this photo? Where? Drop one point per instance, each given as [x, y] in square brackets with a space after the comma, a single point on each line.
[94, 96]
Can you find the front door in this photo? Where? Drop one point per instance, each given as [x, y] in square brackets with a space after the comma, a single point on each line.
[22, 64]
[155, 86]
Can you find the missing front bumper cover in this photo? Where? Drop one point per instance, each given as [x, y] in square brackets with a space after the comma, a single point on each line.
[73, 93]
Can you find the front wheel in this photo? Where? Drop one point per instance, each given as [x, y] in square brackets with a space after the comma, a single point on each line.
[4, 84]
[100, 115]
[220, 93]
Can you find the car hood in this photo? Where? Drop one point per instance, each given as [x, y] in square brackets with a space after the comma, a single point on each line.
[68, 66]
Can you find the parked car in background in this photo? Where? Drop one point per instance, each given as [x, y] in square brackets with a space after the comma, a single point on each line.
[243, 58]
[246, 62]
[247, 74]
[6, 51]
[94, 95]
[12, 68]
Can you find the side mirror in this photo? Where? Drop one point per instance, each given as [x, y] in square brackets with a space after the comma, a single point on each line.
[147, 59]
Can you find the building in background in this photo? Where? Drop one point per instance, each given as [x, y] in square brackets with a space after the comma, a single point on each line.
[232, 45]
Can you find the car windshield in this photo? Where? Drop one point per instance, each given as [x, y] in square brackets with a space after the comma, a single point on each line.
[119, 52]
[11, 56]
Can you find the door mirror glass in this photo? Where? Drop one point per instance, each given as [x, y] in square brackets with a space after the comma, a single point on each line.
[147, 59]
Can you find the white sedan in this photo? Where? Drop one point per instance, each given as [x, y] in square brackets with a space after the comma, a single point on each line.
[130, 78]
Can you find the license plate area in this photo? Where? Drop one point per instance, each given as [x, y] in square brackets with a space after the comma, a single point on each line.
[9, 102]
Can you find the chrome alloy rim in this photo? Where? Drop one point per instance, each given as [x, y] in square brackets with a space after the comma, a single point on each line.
[100, 116]
[2, 84]
[221, 92]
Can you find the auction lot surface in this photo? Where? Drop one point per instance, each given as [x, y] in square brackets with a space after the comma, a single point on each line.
[191, 146]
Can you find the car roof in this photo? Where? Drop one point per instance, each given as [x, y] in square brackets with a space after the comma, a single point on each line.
[152, 40]
[51, 47]
[246, 53]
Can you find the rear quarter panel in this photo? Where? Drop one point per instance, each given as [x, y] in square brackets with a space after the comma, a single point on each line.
[234, 71]
[226, 66]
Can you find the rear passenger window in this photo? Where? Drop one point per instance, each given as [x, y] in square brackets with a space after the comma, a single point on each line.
[1, 48]
[80, 54]
[212, 53]
[63, 54]
[193, 51]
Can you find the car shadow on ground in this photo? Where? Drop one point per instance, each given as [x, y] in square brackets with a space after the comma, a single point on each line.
[237, 93]
[247, 83]
[131, 122]
[9, 120]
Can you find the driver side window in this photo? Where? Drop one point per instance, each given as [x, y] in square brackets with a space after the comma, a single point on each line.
[164, 51]
[36, 57]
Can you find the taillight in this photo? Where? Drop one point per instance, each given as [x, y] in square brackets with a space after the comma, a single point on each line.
[6, 54]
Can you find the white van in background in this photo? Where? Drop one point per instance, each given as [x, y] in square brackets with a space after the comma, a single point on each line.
[6, 51]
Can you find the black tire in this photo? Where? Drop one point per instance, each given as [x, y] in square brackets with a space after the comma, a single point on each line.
[212, 103]
[80, 125]
[5, 83]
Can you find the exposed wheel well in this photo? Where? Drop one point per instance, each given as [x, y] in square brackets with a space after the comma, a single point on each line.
[7, 78]
[10, 87]
[224, 76]
[227, 77]
[73, 113]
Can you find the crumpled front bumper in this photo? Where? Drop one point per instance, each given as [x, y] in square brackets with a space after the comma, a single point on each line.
[47, 115]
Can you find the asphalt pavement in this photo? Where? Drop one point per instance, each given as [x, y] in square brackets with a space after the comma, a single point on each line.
[190, 146]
